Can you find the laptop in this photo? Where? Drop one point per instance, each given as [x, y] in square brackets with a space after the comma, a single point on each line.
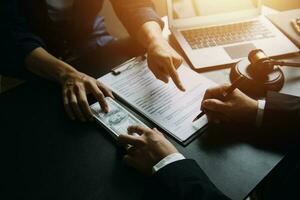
[220, 32]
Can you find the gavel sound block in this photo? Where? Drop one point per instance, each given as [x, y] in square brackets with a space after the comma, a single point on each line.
[262, 73]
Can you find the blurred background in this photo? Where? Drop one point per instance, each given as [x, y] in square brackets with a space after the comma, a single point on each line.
[282, 4]
[112, 21]
[117, 30]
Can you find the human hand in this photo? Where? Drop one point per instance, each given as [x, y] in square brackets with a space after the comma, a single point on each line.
[75, 87]
[237, 107]
[147, 148]
[163, 61]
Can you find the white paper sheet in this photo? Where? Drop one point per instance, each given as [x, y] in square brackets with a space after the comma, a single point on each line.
[162, 103]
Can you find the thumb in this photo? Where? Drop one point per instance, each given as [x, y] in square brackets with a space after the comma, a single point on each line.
[214, 105]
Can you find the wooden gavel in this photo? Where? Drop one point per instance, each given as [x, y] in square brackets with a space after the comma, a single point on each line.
[261, 65]
[261, 73]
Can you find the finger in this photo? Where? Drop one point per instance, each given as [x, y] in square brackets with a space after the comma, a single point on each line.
[212, 117]
[158, 72]
[129, 160]
[214, 105]
[217, 118]
[178, 62]
[99, 96]
[221, 118]
[67, 105]
[140, 130]
[84, 105]
[174, 75]
[126, 139]
[161, 75]
[215, 92]
[209, 115]
[133, 151]
[75, 107]
[157, 131]
[107, 92]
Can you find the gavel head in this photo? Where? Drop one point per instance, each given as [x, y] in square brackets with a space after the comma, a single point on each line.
[261, 73]
[260, 64]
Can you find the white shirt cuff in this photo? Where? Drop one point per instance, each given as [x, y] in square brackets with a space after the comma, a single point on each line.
[260, 112]
[168, 160]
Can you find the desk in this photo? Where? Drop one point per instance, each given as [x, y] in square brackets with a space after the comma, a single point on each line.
[61, 159]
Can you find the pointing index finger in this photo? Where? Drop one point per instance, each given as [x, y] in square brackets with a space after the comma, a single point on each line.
[100, 97]
[174, 76]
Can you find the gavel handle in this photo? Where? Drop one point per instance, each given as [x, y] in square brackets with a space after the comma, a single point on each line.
[290, 64]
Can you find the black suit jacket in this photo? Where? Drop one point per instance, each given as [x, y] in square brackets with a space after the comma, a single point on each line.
[282, 111]
[184, 180]
[281, 121]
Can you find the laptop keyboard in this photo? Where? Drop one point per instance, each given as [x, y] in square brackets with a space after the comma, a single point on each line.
[226, 34]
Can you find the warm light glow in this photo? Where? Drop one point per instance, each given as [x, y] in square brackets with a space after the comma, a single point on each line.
[282, 4]
[194, 8]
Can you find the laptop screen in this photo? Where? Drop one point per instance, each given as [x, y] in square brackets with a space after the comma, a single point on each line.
[183, 9]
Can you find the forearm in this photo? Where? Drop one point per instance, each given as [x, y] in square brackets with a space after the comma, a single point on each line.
[149, 32]
[134, 14]
[75, 85]
[43, 64]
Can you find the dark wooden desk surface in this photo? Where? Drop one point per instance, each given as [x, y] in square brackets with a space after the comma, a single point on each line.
[60, 159]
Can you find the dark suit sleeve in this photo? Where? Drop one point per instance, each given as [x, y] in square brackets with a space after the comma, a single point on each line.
[134, 14]
[282, 112]
[18, 42]
[182, 180]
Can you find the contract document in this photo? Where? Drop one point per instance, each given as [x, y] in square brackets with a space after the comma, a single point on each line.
[163, 104]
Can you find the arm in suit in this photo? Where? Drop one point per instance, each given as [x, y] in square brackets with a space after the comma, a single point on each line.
[182, 180]
[178, 180]
[281, 118]
[282, 110]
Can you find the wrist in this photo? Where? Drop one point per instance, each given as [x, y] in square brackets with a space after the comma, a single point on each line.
[53, 68]
[66, 72]
[149, 34]
[167, 160]
[156, 41]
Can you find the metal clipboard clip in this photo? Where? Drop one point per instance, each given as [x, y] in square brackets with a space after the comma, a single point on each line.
[127, 65]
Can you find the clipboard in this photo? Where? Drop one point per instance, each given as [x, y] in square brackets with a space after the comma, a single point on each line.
[187, 135]
[128, 65]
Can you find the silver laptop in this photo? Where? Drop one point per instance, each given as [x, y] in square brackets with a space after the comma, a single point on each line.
[218, 32]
